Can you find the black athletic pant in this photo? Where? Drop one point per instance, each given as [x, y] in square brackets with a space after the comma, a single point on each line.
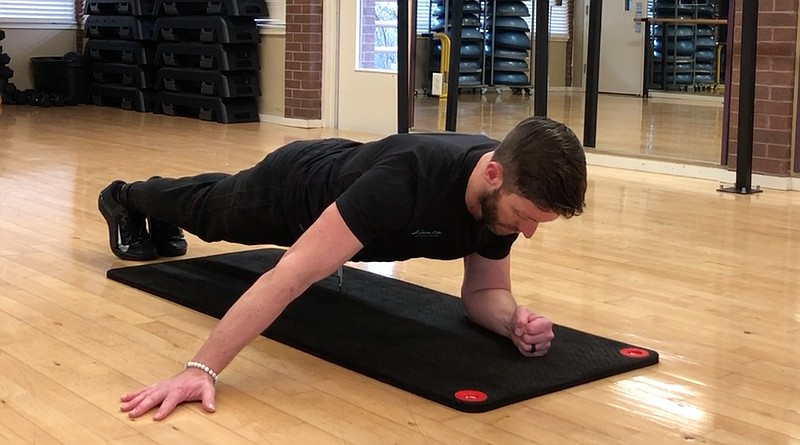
[244, 208]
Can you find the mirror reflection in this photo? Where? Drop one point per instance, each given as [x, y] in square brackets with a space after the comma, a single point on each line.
[661, 83]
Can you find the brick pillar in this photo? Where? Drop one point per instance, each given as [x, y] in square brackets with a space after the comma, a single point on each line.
[775, 74]
[303, 59]
[367, 53]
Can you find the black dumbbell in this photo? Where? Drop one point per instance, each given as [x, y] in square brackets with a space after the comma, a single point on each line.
[57, 100]
[4, 58]
[32, 96]
[22, 97]
[9, 93]
[45, 100]
[2, 34]
[6, 72]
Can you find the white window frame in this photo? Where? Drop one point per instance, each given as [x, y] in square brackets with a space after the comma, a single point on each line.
[55, 14]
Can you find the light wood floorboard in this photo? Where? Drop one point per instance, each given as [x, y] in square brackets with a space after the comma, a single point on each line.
[710, 280]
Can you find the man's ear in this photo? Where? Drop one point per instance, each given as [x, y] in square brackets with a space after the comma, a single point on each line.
[493, 174]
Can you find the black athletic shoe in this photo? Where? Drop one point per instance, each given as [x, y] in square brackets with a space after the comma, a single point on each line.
[167, 238]
[127, 232]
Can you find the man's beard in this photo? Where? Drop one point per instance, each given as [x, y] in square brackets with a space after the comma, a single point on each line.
[489, 212]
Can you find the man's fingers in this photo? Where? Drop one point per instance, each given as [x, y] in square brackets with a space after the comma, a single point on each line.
[167, 406]
[133, 394]
[521, 316]
[145, 404]
[537, 339]
[538, 325]
[129, 396]
[208, 399]
[135, 401]
[534, 316]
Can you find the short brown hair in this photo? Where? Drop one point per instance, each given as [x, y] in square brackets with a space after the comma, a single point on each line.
[543, 161]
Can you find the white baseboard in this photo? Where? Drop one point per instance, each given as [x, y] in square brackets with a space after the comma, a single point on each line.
[290, 122]
[720, 174]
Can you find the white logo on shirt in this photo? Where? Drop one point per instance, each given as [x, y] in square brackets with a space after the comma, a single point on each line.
[422, 233]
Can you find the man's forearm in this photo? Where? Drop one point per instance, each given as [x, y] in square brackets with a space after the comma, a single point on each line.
[491, 309]
[255, 310]
[325, 246]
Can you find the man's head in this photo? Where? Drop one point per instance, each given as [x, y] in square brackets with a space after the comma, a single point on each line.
[543, 161]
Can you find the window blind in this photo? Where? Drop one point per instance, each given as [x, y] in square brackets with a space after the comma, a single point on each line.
[37, 12]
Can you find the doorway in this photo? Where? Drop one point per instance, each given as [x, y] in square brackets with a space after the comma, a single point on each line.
[364, 88]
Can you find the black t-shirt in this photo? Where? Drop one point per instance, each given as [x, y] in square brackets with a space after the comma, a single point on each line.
[403, 196]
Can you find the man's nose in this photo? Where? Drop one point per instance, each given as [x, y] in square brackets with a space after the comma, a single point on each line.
[528, 228]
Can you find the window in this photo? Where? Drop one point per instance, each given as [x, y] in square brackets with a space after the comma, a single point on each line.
[377, 31]
[40, 13]
[559, 26]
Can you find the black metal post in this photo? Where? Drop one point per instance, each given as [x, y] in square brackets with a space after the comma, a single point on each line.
[402, 65]
[664, 37]
[648, 57]
[726, 108]
[747, 99]
[542, 57]
[412, 61]
[592, 73]
[456, 15]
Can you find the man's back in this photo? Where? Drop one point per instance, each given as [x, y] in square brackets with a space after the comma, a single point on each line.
[402, 196]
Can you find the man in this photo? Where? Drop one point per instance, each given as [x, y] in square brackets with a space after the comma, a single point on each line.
[443, 196]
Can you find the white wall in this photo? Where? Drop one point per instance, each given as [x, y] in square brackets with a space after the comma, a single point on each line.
[22, 44]
[277, 11]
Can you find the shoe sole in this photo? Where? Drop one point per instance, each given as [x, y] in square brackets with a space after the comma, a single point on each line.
[164, 248]
[170, 252]
[113, 235]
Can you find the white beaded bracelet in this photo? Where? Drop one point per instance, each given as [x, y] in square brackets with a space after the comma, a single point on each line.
[204, 368]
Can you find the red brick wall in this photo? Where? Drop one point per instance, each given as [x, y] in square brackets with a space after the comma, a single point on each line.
[367, 53]
[775, 78]
[303, 59]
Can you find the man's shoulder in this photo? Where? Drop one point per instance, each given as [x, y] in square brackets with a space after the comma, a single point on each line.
[457, 139]
[436, 145]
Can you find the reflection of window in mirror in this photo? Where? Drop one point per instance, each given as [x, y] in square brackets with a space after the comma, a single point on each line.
[377, 35]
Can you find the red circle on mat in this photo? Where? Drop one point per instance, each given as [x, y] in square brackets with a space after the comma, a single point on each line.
[471, 396]
[634, 352]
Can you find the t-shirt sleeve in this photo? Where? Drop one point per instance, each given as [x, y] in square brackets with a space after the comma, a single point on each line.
[498, 247]
[381, 201]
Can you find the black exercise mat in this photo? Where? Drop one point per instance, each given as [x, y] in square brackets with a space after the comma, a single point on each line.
[405, 335]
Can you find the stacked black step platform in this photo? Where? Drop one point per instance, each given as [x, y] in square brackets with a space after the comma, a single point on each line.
[194, 58]
[121, 50]
[208, 54]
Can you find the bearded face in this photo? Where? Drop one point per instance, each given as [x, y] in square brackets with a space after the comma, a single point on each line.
[490, 217]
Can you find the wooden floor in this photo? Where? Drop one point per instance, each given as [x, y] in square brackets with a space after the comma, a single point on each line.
[710, 280]
[682, 127]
